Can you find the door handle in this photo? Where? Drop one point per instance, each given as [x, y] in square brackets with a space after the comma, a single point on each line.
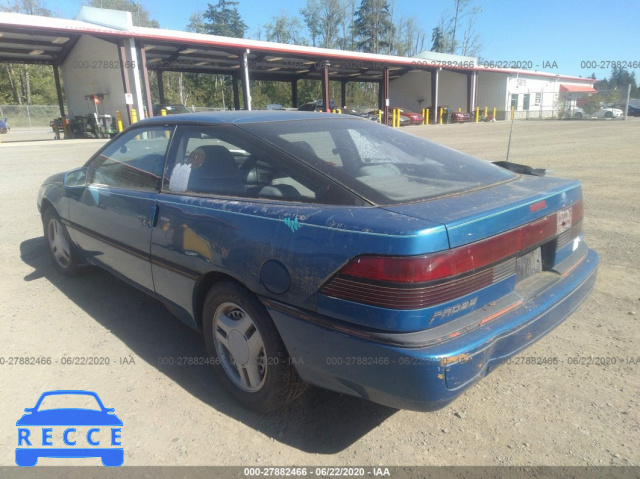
[152, 217]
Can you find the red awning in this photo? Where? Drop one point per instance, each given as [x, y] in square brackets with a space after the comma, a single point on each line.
[577, 88]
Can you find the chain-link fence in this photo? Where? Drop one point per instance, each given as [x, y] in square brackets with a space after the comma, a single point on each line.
[603, 104]
[29, 116]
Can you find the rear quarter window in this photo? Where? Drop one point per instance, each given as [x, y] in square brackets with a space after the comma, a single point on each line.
[381, 164]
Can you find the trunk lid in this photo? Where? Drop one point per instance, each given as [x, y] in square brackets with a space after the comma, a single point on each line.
[479, 214]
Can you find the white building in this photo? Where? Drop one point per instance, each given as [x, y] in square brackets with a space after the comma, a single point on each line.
[532, 94]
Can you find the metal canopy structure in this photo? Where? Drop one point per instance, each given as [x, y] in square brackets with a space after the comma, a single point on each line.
[45, 40]
[197, 53]
[35, 40]
[48, 41]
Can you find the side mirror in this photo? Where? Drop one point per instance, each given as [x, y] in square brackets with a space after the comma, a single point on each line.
[75, 178]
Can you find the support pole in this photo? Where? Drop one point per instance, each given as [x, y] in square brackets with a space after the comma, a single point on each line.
[63, 118]
[626, 107]
[160, 87]
[325, 88]
[472, 81]
[385, 92]
[122, 55]
[56, 77]
[236, 92]
[145, 78]
[136, 77]
[294, 93]
[246, 87]
[434, 94]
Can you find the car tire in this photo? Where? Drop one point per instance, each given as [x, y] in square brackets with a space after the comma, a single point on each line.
[608, 114]
[59, 244]
[250, 358]
[578, 115]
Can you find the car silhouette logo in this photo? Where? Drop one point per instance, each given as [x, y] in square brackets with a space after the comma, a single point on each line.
[69, 432]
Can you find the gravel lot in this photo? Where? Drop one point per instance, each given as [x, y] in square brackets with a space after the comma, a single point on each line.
[521, 414]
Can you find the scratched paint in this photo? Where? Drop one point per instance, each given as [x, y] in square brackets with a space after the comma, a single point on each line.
[458, 358]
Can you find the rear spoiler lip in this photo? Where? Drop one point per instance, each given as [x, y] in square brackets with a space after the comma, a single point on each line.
[521, 169]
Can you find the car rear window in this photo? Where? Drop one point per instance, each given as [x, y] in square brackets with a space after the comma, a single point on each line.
[381, 164]
[69, 401]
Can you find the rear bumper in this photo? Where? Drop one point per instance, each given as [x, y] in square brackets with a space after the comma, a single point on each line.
[28, 457]
[401, 374]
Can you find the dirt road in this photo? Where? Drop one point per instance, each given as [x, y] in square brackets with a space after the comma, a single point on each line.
[521, 414]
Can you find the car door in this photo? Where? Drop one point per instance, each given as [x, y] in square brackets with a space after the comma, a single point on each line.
[224, 195]
[112, 218]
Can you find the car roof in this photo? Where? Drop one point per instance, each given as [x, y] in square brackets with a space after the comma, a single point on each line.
[239, 116]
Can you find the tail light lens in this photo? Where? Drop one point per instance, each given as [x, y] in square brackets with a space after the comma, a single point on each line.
[414, 282]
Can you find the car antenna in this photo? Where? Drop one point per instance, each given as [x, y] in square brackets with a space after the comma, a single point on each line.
[513, 116]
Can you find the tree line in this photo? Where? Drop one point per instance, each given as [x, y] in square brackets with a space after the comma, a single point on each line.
[372, 26]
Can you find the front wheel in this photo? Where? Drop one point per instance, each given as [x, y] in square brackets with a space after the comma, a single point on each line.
[59, 244]
[250, 358]
[608, 114]
[578, 115]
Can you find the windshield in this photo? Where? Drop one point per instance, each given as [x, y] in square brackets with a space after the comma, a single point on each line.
[69, 401]
[379, 163]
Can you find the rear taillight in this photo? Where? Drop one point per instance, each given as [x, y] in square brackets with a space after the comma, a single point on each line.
[414, 282]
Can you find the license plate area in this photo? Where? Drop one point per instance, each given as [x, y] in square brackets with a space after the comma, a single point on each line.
[529, 264]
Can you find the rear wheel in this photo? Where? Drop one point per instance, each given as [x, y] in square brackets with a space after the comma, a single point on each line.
[59, 245]
[608, 114]
[578, 115]
[251, 360]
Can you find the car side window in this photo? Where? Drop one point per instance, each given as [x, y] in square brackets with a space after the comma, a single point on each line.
[221, 160]
[136, 160]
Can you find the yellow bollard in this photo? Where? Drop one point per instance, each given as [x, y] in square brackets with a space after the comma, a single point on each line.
[440, 120]
[163, 112]
[134, 116]
[459, 110]
[426, 117]
[119, 121]
[380, 116]
[477, 113]
[494, 113]
[485, 111]
[393, 118]
[512, 114]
